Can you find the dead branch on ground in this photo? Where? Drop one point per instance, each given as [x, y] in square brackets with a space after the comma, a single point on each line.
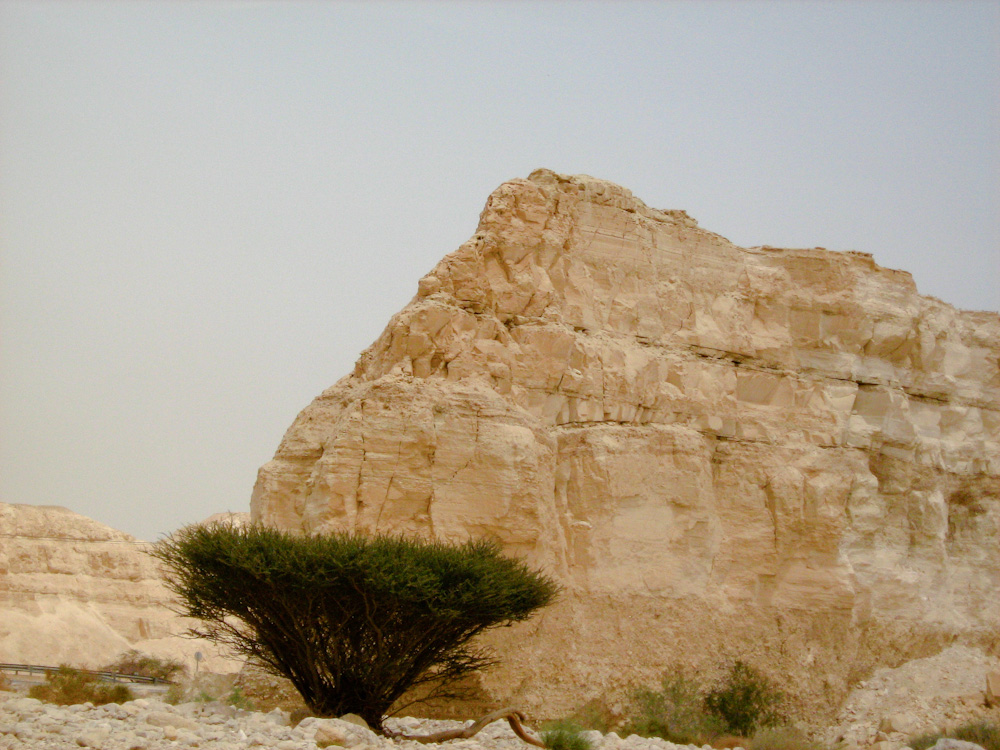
[513, 717]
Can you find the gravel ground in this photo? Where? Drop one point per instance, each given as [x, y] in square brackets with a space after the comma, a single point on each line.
[923, 695]
[150, 724]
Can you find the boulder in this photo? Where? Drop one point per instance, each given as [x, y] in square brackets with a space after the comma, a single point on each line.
[339, 733]
[901, 723]
[170, 719]
[946, 743]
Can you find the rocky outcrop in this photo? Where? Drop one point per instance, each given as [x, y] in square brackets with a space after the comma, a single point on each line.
[785, 456]
[916, 698]
[75, 591]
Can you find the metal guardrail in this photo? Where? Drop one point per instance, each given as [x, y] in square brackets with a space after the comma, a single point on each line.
[108, 676]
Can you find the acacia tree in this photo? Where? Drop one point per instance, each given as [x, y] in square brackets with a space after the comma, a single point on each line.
[353, 621]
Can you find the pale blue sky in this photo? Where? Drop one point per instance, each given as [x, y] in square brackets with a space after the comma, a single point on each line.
[207, 210]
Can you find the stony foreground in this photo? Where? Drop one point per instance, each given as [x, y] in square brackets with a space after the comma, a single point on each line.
[150, 724]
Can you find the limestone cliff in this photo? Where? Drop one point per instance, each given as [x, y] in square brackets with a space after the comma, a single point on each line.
[75, 591]
[787, 456]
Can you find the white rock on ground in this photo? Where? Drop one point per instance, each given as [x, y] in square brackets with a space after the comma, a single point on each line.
[950, 744]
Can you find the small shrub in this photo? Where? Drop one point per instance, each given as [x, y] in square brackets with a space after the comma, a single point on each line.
[923, 741]
[782, 738]
[565, 735]
[675, 713]
[143, 665]
[594, 714]
[112, 694]
[175, 694]
[236, 699]
[746, 701]
[4, 682]
[68, 686]
[983, 733]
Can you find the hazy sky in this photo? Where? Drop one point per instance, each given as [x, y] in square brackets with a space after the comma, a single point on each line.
[208, 209]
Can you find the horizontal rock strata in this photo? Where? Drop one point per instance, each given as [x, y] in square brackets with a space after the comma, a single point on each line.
[75, 591]
[782, 455]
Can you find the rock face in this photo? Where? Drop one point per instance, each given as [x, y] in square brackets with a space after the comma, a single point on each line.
[785, 456]
[75, 591]
[919, 697]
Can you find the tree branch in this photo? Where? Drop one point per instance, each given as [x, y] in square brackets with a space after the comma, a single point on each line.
[513, 717]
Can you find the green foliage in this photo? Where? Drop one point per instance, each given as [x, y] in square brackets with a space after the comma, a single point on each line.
[353, 621]
[238, 700]
[676, 712]
[681, 713]
[112, 694]
[745, 701]
[68, 686]
[565, 735]
[594, 714]
[983, 733]
[782, 738]
[175, 694]
[923, 741]
[135, 663]
[234, 697]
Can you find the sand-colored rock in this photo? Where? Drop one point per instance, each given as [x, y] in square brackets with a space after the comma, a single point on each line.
[993, 688]
[786, 456]
[75, 591]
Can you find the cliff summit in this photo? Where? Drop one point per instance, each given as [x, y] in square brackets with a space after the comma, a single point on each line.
[786, 456]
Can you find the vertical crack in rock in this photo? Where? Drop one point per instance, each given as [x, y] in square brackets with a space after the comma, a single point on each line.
[358, 502]
[770, 503]
[388, 486]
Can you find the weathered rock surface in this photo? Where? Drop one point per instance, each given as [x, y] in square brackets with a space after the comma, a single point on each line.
[75, 591]
[922, 696]
[785, 456]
